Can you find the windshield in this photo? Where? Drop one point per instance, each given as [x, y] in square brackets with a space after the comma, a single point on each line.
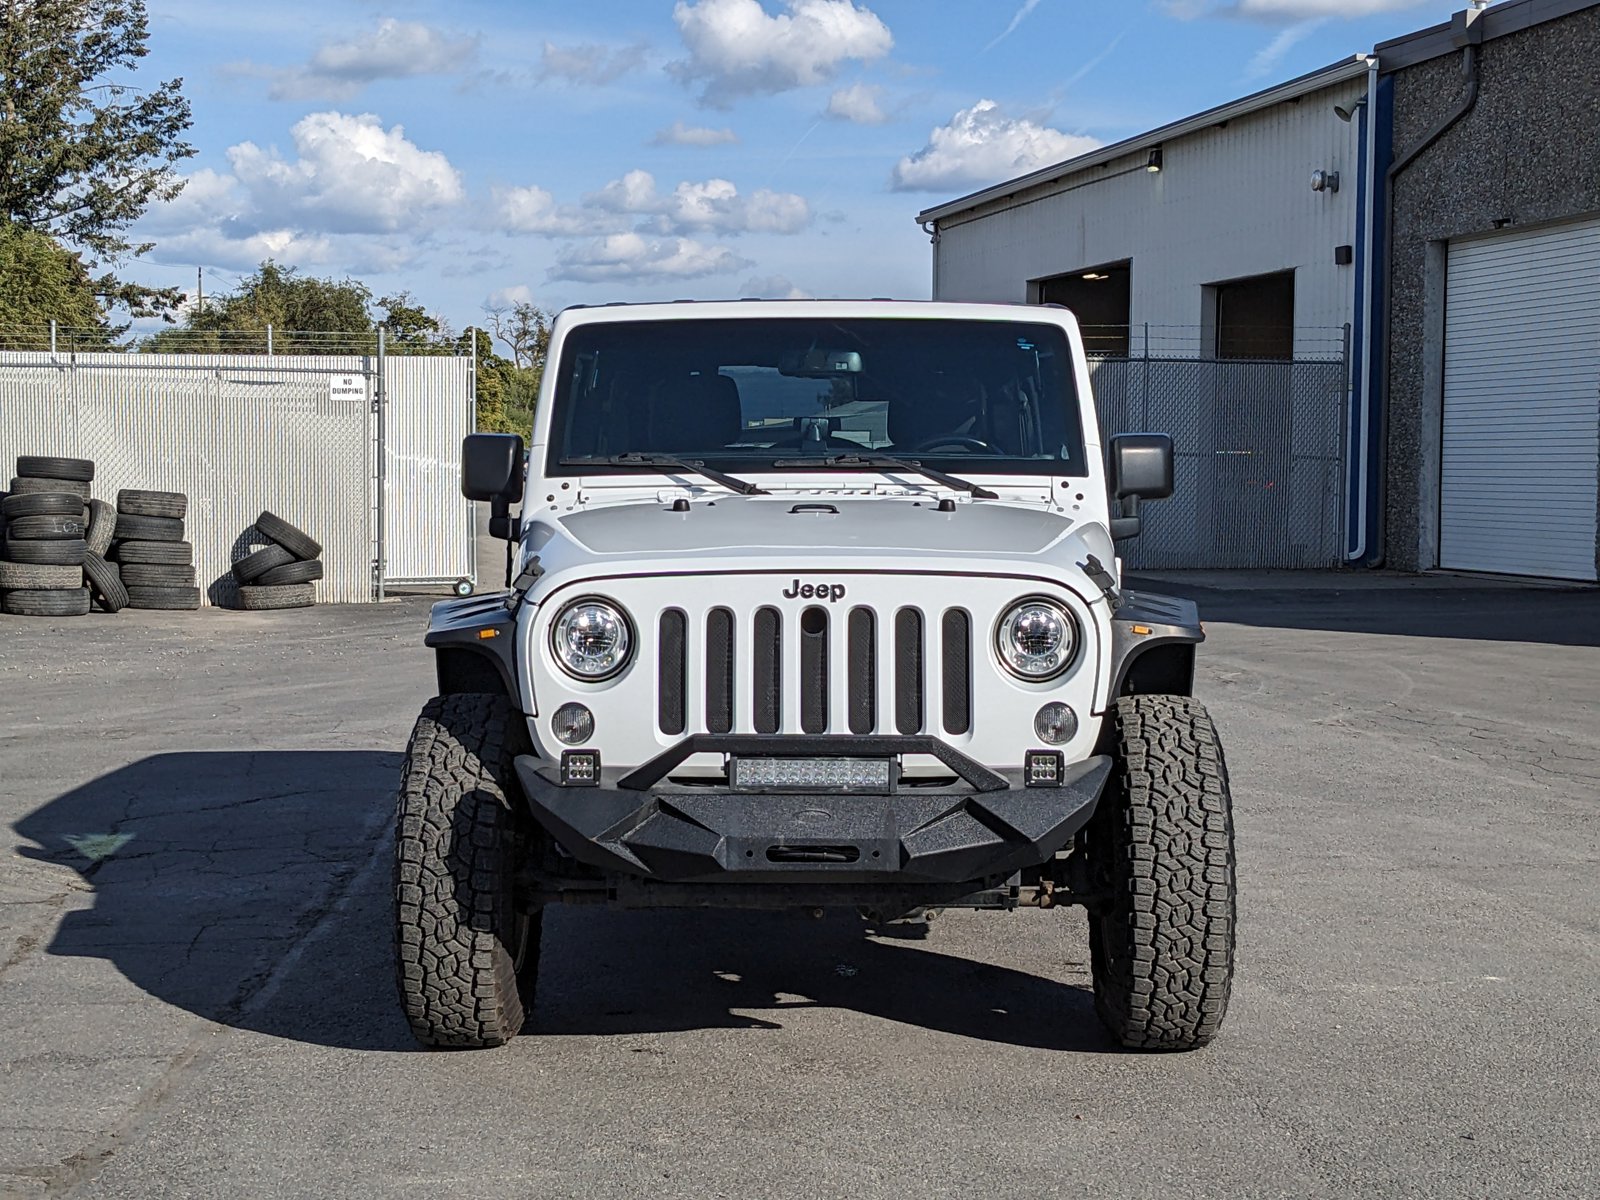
[964, 396]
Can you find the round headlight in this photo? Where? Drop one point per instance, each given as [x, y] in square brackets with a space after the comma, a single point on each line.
[1036, 639]
[591, 639]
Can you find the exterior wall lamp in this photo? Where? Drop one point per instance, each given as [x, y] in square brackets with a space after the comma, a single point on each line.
[1154, 163]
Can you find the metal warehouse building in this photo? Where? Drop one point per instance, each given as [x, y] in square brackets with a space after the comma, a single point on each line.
[1429, 214]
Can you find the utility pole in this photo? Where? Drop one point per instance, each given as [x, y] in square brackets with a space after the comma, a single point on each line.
[200, 288]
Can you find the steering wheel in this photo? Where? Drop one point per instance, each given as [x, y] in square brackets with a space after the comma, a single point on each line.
[952, 439]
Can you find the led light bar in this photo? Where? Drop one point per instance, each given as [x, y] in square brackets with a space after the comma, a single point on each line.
[811, 774]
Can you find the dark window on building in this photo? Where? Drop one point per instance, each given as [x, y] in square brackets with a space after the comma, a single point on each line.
[1100, 297]
[1255, 317]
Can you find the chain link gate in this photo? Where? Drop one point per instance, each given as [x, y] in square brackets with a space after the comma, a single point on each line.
[1260, 458]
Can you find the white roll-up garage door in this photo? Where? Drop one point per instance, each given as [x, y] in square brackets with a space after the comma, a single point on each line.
[1520, 468]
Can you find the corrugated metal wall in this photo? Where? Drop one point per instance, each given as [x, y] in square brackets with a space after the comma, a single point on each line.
[428, 530]
[1231, 202]
[242, 433]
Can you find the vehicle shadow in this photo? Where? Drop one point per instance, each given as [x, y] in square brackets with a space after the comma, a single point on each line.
[1495, 611]
[252, 889]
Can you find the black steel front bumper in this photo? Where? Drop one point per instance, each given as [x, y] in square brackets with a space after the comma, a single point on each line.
[641, 825]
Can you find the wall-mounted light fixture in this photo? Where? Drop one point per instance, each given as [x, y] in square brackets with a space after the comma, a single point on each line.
[1347, 112]
[1324, 181]
[1153, 165]
[1095, 276]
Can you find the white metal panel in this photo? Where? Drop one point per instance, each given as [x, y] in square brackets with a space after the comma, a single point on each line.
[1520, 464]
[428, 525]
[1232, 201]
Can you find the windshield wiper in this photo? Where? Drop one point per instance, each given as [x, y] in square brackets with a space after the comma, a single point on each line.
[693, 465]
[895, 464]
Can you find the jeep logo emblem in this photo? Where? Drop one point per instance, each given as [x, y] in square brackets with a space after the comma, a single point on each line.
[831, 592]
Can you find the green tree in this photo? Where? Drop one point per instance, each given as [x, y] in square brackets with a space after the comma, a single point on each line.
[41, 282]
[83, 153]
[308, 315]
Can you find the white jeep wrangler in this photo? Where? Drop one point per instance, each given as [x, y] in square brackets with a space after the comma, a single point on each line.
[815, 604]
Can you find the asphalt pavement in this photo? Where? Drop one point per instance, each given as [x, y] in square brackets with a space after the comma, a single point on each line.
[196, 994]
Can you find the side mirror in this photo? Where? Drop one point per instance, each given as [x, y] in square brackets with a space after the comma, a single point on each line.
[491, 467]
[1140, 468]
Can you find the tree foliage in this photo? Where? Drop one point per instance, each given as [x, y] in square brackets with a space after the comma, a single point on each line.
[41, 282]
[83, 153]
[303, 311]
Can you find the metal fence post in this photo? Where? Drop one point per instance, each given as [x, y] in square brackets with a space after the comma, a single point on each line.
[269, 339]
[52, 336]
[383, 465]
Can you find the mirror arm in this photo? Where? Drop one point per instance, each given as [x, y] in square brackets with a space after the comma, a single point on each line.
[1126, 523]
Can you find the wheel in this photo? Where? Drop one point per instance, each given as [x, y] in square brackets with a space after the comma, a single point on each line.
[1160, 848]
[463, 587]
[254, 598]
[69, 602]
[46, 529]
[299, 543]
[105, 582]
[39, 578]
[148, 529]
[64, 552]
[953, 439]
[158, 575]
[295, 572]
[466, 960]
[24, 485]
[178, 599]
[152, 504]
[177, 554]
[102, 527]
[41, 466]
[259, 562]
[42, 504]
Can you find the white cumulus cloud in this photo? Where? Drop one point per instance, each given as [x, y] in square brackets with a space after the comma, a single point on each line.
[679, 134]
[531, 209]
[737, 48]
[981, 145]
[858, 103]
[713, 206]
[392, 50]
[772, 287]
[633, 257]
[351, 176]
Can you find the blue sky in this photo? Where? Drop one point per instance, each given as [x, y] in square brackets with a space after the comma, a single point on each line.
[486, 150]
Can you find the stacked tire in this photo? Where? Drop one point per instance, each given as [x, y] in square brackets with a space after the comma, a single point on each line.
[283, 572]
[45, 517]
[156, 560]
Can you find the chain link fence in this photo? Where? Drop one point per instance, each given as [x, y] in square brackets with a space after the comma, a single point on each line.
[1260, 450]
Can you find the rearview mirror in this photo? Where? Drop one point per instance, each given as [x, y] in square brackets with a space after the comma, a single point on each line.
[1139, 467]
[491, 467]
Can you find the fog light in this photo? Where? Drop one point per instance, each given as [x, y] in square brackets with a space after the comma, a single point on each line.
[1043, 768]
[1055, 723]
[580, 768]
[573, 724]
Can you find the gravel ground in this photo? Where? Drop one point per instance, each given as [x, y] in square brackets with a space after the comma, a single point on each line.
[196, 989]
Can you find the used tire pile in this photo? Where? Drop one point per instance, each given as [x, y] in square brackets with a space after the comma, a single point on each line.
[282, 573]
[157, 563]
[53, 553]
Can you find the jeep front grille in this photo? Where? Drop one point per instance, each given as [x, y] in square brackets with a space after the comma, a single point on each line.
[883, 679]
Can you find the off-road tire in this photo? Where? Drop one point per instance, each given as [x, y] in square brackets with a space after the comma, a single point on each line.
[148, 529]
[178, 554]
[295, 572]
[258, 562]
[24, 486]
[1161, 846]
[176, 598]
[66, 602]
[296, 541]
[45, 529]
[42, 504]
[152, 504]
[253, 598]
[44, 466]
[102, 527]
[63, 552]
[466, 961]
[34, 577]
[105, 583]
[158, 575]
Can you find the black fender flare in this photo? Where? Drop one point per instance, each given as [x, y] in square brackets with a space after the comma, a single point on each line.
[1152, 645]
[474, 640]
